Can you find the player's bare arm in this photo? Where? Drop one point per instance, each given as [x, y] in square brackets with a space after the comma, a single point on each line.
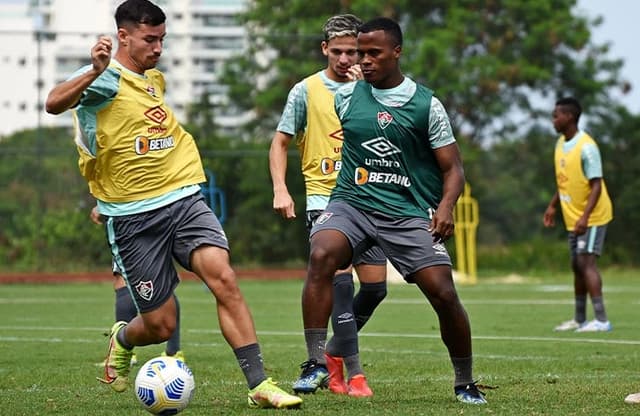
[450, 162]
[549, 218]
[583, 222]
[282, 200]
[95, 216]
[67, 94]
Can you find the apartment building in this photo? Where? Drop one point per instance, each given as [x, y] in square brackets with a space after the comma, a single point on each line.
[43, 41]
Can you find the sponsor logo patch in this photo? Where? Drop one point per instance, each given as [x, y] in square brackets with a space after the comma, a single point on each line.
[144, 145]
[329, 166]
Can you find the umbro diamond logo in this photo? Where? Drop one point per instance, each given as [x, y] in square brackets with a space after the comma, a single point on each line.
[381, 147]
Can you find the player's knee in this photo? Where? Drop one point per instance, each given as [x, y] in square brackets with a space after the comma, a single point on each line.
[224, 286]
[444, 298]
[324, 260]
[373, 292]
[161, 330]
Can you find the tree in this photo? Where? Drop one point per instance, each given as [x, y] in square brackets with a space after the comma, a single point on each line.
[45, 204]
[617, 134]
[486, 60]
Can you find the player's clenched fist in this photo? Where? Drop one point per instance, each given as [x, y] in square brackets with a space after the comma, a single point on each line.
[101, 53]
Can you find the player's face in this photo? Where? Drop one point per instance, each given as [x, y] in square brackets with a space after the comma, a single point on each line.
[341, 55]
[561, 118]
[378, 58]
[143, 44]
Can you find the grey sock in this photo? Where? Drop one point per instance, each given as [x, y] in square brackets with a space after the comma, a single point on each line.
[173, 344]
[352, 364]
[462, 368]
[598, 308]
[250, 361]
[316, 338]
[581, 308]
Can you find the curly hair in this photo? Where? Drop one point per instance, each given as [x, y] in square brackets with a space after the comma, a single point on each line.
[341, 25]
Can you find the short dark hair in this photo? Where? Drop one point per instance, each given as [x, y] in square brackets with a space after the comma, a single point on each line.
[389, 26]
[139, 12]
[572, 105]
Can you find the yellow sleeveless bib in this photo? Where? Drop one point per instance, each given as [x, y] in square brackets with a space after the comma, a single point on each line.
[141, 149]
[573, 186]
[321, 144]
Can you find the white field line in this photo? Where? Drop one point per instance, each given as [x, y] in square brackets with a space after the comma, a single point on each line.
[418, 301]
[577, 340]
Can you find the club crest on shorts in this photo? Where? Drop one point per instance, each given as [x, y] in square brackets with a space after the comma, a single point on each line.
[324, 217]
[145, 289]
[384, 119]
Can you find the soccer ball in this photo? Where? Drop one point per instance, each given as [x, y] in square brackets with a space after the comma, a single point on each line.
[164, 385]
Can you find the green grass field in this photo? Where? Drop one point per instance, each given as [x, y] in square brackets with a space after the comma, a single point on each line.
[51, 338]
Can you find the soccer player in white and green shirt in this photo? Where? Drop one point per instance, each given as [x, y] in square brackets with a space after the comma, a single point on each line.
[400, 179]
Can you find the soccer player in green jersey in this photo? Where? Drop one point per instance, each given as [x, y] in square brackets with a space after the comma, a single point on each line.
[144, 170]
[310, 118]
[400, 179]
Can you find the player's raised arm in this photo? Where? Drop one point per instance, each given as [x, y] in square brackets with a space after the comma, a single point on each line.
[67, 94]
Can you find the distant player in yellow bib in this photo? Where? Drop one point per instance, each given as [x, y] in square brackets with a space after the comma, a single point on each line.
[586, 210]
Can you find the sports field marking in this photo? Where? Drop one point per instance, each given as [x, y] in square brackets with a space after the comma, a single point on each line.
[576, 339]
[417, 301]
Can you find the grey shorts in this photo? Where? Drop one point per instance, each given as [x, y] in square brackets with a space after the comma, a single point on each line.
[145, 245]
[374, 255]
[590, 242]
[406, 242]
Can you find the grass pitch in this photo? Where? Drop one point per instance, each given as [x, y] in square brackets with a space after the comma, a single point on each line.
[51, 338]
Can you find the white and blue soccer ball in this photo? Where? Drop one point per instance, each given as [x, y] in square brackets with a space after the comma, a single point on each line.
[164, 385]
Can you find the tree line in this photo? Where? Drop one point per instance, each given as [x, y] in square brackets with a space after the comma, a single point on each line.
[498, 68]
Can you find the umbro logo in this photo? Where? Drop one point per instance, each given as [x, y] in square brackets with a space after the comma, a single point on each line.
[381, 147]
[156, 114]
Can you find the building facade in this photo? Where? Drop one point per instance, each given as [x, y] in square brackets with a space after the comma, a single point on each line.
[43, 41]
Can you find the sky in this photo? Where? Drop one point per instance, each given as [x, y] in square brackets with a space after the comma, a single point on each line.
[621, 28]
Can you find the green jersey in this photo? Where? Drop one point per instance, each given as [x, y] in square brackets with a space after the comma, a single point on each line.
[388, 162]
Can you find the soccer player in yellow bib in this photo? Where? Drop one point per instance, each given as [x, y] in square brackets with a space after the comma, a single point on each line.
[309, 116]
[586, 210]
[144, 170]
